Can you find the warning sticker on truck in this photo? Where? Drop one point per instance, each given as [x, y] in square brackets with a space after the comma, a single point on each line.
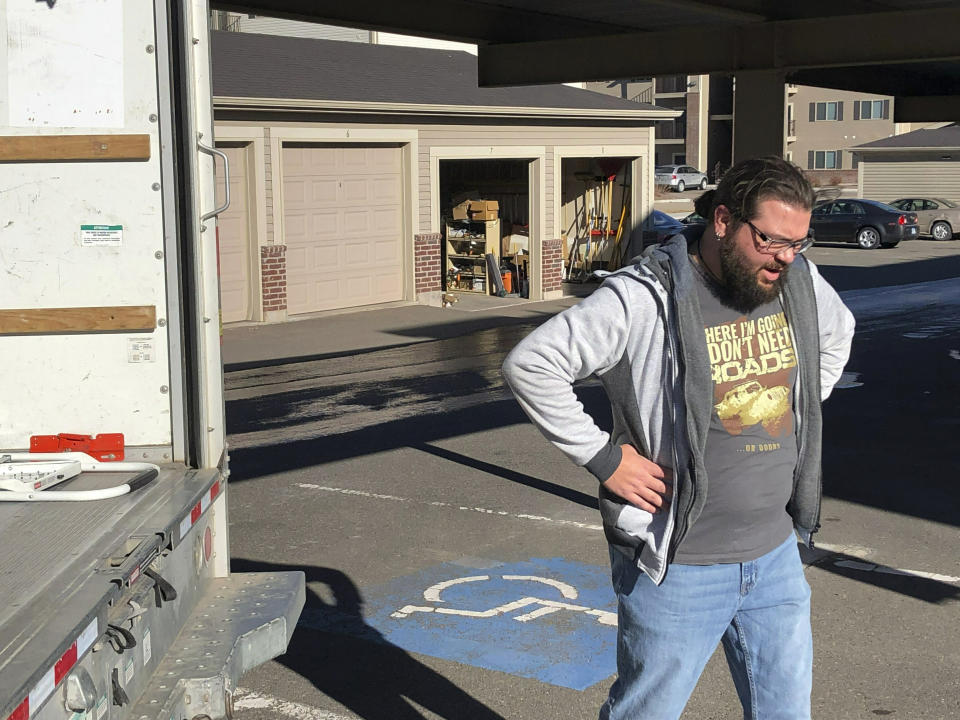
[141, 350]
[101, 235]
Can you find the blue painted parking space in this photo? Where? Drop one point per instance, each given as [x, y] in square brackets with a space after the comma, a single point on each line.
[548, 619]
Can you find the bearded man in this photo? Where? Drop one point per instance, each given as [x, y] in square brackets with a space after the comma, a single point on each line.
[716, 350]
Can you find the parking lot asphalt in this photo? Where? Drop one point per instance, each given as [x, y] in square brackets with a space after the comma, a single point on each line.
[402, 477]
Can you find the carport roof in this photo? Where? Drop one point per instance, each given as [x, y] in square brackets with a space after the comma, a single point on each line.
[270, 71]
[925, 138]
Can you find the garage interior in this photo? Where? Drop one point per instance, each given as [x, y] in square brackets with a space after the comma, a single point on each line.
[485, 209]
[595, 214]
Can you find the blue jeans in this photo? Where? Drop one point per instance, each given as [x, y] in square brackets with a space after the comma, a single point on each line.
[760, 610]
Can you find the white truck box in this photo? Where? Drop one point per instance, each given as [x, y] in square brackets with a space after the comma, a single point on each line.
[109, 323]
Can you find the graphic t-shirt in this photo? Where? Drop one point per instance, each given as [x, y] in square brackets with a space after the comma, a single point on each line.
[751, 450]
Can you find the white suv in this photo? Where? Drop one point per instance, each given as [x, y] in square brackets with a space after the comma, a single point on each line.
[680, 177]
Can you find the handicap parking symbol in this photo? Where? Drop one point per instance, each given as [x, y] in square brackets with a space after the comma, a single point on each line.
[549, 619]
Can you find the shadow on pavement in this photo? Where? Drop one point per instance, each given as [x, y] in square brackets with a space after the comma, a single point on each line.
[519, 478]
[916, 586]
[352, 663]
[850, 277]
[415, 431]
[460, 324]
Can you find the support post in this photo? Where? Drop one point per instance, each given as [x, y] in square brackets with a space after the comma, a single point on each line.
[759, 114]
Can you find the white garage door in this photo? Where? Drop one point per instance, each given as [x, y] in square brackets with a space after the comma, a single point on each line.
[233, 230]
[343, 226]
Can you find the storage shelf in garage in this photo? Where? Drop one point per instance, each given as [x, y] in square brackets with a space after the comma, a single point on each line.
[454, 254]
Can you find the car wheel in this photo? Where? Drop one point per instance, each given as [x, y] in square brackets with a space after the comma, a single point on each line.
[868, 238]
[703, 184]
[681, 186]
[941, 231]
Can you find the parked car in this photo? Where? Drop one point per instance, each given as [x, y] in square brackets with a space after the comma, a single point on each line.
[868, 223]
[680, 177]
[694, 218]
[938, 217]
[665, 226]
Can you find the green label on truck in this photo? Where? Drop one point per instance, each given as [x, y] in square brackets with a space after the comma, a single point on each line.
[101, 235]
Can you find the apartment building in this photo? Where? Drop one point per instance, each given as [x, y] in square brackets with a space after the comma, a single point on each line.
[823, 124]
[702, 135]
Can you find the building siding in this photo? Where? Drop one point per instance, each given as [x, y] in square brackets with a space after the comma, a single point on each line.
[262, 25]
[837, 135]
[505, 136]
[543, 138]
[888, 178]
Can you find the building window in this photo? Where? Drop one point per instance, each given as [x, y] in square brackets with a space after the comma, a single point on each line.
[824, 159]
[826, 111]
[871, 110]
[820, 111]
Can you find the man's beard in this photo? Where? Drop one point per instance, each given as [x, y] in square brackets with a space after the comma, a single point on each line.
[741, 288]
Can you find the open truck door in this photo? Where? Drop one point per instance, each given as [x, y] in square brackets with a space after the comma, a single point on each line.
[123, 606]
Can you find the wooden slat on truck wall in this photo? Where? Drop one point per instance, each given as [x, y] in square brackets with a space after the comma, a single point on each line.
[61, 148]
[134, 318]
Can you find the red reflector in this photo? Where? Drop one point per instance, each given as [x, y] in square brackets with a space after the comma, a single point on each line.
[195, 513]
[902, 220]
[22, 712]
[64, 664]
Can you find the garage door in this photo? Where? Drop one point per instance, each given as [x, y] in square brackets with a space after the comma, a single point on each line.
[343, 226]
[233, 231]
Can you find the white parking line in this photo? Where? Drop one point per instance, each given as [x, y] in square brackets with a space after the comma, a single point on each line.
[873, 567]
[244, 699]
[484, 511]
[863, 563]
[850, 550]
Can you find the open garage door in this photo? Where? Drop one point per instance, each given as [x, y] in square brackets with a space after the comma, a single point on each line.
[343, 226]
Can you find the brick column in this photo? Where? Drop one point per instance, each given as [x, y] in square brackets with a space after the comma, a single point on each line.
[551, 270]
[426, 259]
[273, 272]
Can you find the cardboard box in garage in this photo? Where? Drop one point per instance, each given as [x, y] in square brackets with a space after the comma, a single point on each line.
[477, 210]
[484, 209]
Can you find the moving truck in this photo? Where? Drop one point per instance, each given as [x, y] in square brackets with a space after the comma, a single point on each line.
[116, 598]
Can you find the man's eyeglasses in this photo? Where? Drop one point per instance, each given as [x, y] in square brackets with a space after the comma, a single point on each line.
[774, 246]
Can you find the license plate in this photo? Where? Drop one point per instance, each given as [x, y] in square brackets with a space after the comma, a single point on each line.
[913, 231]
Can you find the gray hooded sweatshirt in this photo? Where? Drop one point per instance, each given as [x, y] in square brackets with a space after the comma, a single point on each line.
[641, 333]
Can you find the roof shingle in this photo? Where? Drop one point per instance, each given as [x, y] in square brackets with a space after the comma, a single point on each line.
[246, 65]
[947, 136]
